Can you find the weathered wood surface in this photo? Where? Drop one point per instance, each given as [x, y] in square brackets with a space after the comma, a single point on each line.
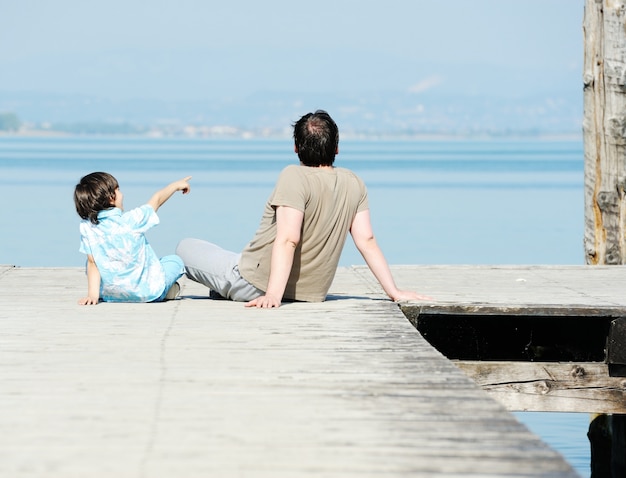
[531, 288]
[592, 291]
[550, 387]
[198, 387]
[604, 128]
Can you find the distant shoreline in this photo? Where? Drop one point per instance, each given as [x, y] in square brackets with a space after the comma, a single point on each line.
[347, 135]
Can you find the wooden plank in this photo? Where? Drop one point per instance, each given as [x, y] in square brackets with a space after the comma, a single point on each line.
[527, 310]
[550, 387]
[561, 287]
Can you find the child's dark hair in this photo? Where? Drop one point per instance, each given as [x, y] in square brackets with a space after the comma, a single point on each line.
[94, 193]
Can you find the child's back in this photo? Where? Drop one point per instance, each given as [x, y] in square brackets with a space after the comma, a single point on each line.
[121, 264]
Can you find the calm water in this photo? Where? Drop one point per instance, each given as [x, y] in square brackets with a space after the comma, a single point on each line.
[432, 202]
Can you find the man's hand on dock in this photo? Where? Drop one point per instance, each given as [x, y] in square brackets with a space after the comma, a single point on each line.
[266, 301]
[403, 295]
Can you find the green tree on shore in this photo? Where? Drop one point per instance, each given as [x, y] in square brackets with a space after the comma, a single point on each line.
[9, 122]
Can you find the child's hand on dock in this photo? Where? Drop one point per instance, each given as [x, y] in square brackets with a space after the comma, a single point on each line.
[88, 300]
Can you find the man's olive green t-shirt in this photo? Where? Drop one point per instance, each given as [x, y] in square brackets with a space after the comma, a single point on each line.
[329, 199]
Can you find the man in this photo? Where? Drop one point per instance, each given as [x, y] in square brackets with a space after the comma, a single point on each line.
[295, 251]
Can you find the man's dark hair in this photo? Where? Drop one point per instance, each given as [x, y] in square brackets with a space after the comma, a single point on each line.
[316, 137]
[94, 193]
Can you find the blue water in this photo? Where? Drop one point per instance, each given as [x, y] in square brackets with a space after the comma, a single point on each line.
[432, 202]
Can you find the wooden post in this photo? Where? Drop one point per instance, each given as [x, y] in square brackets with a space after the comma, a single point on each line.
[604, 128]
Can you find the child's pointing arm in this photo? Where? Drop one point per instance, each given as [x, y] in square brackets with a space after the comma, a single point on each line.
[159, 197]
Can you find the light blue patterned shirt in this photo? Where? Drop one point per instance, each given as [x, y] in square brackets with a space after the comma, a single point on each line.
[130, 271]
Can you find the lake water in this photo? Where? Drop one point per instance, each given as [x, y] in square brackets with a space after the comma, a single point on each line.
[432, 202]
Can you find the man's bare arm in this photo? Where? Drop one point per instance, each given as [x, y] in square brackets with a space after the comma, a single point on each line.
[288, 226]
[363, 236]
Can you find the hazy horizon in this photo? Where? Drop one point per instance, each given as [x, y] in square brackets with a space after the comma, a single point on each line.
[397, 64]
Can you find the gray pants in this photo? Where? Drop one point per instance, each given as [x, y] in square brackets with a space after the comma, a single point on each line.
[216, 268]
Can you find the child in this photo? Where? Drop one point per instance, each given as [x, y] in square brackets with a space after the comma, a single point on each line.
[121, 265]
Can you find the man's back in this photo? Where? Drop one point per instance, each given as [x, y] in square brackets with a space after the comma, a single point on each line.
[329, 198]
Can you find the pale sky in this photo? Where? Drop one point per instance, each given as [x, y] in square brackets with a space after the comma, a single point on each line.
[203, 49]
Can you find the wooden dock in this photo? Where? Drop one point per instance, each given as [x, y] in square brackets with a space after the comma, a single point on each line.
[199, 387]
